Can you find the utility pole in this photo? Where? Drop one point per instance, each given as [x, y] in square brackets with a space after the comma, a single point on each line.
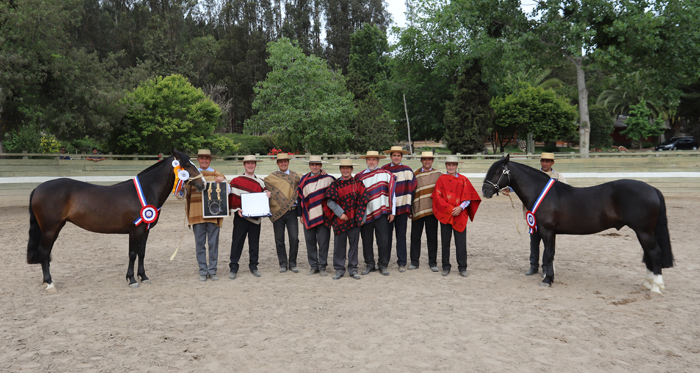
[410, 144]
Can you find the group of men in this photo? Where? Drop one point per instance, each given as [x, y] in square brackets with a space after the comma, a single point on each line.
[374, 204]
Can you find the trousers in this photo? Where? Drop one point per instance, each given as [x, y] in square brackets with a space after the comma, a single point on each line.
[339, 250]
[288, 220]
[431, 231]
[242, 228]
[446, 231]
[535, 249]
[399, 226]
[380, 228]
[317, 242]
[204, 232]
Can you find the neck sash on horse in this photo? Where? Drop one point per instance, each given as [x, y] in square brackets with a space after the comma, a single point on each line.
[148, 213]
[530, 215]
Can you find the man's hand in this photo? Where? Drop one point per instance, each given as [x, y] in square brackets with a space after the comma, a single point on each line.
[323, 172]
[390, 218]
[268, 193]
[506, 191]
[456, 211]
[344, 217]
[239, 213]
[219, 179]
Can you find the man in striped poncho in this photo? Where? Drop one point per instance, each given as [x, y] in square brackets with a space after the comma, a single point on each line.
[315, 214]
[422, 213]
[405, 187]
[381, 208]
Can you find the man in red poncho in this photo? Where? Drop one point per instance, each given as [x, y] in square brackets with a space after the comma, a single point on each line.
[455, 202]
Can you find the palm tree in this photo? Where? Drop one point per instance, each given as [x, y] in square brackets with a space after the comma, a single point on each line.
[621, 97]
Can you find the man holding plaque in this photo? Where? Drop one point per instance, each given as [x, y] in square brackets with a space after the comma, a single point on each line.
[245, 226]
[204, 229]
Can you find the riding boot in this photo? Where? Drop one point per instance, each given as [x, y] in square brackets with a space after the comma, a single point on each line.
[532, 270]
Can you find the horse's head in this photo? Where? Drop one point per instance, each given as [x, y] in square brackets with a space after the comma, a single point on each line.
[195, 176]
[497, 178]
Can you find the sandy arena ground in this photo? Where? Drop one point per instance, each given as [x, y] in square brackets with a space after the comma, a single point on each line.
[596, 317]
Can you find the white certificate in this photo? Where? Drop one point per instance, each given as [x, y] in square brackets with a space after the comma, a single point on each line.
[255, 205]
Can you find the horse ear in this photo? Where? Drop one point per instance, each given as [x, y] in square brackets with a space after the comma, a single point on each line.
[506, 159]
[175, 154]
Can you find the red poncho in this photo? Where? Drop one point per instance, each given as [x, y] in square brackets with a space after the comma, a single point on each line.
[450, 192]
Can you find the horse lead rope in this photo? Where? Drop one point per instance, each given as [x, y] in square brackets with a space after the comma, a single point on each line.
[515, 216]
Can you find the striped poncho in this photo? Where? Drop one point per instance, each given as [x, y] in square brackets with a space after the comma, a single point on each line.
[405, 187]
[241, 185]
[193, 207]
[352, 197]
[422, 198]
[312, 198]
[379, 185]
[450, 191]
[283, 189]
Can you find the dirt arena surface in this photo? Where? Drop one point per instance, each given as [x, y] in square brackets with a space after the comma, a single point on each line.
[596, 317]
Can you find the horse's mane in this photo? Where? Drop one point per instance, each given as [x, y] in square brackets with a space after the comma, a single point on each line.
[184, 158]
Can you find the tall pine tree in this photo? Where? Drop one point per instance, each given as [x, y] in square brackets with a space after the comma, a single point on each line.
[469, 116]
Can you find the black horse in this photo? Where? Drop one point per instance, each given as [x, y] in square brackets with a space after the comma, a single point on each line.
[103, 209]
[569, 210]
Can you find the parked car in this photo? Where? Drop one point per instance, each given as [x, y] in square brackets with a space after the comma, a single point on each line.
[679, 143]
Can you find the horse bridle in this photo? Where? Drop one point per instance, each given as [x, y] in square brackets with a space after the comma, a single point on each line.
[505, 172]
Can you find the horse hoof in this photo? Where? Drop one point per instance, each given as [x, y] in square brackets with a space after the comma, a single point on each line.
[146, 282]
[545, 284]
[51, 288]
[135, 285]
[656, 290]
[647, 284]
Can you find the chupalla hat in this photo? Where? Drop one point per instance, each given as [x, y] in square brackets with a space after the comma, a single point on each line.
[204, 152]
[345, 162]
[249, 158]
[549, 156]
[315, 159]
[283, 156]
[426, 155]
[452, 159]
[372, 154]
[397, 149]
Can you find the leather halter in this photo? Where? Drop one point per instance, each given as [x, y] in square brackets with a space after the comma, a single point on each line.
[496, 186]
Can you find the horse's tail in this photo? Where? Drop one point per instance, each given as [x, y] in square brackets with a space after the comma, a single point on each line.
[663, 239]
[34, 255]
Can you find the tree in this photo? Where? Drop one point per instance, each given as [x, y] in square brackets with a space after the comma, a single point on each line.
[165, 113]
[535, 110]
[469, 116]
[639, 125]
[602, 127]
[368, 61]
[302, 100]
[372, 128]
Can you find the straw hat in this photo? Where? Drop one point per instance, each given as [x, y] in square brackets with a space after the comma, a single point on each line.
[397, 149]
[426, 155]
[249, 158]
[452, 159]
[372, 154]
[345, 162]
[283, 156]
[549, 156]
[315, 159]
[204, 152]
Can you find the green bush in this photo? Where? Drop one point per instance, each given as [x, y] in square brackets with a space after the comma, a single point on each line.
[26, 139]
[248, 144]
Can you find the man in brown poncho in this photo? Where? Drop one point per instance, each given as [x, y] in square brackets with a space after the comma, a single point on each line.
[283, 185]
[204, 229]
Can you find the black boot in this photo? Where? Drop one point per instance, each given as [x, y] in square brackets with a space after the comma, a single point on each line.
[532, 270]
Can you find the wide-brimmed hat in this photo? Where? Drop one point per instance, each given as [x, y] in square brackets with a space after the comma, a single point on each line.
[283, 156]
[452, 159]
[204, 152]
[372, 154]
[426, 155]
[345, 162]
[249, 158]
[397, 149]
[549, 156]
[315, 159]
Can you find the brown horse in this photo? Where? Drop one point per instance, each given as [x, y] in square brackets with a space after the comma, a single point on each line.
[569, 210]
[116, 208]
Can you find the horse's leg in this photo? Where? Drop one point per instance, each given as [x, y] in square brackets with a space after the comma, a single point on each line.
[142, 253]
[549, 240]
[48, 237]
[652, 258]
[134, 242]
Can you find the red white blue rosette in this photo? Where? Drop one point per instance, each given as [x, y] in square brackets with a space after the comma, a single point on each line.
[531, 221]
[149, 214]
